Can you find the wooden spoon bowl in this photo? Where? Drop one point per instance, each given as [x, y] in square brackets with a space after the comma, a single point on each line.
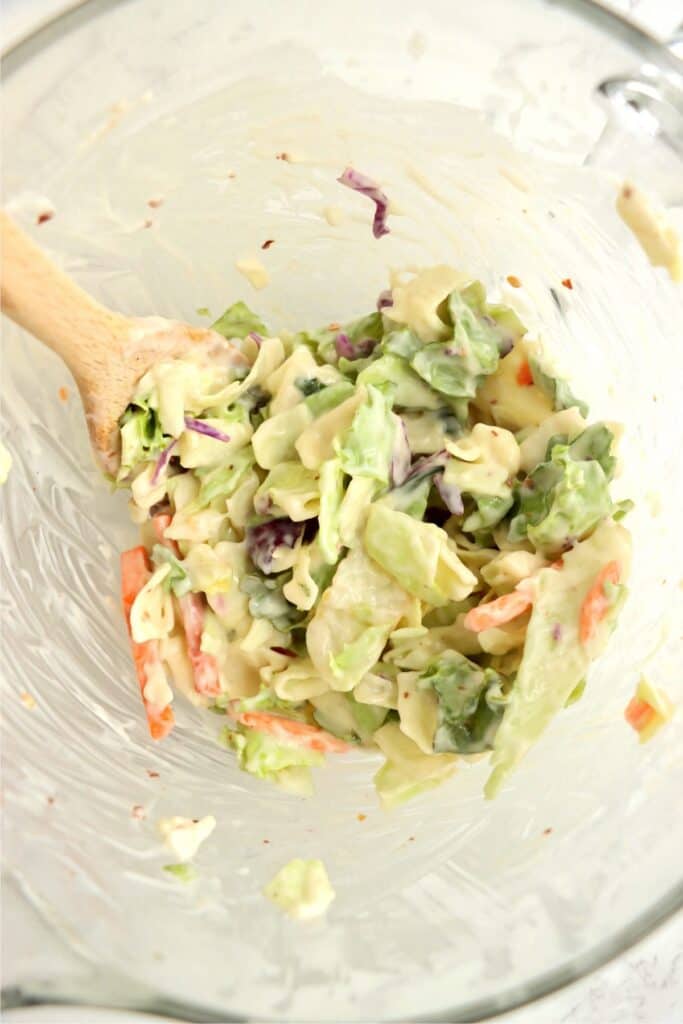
[106, 352]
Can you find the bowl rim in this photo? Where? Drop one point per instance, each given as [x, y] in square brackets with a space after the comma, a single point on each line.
[21, 50]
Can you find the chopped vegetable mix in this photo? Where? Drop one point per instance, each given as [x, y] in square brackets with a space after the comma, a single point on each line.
[394, 533]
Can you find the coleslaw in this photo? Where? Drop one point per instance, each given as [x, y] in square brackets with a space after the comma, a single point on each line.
[397, 533]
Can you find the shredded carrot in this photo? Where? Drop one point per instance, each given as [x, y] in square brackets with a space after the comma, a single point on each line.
[596, 604]
[63, 394]
[525, 377]
[135, 572]
[309, 736]
[496, 613]
[204, 666]
[639, 714]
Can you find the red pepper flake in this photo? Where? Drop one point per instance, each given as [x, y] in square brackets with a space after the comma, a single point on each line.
[43, 217]
[411, 839]
[152, 775]
[138, 812]
[567, 282]
[155, 202]
[547, 831]
[268, 242]
[282, 156]
[266, 842]
[405, 695]
[63, 394]
[525, 377]
[333, 327]
[513, 280]
[361, 817]
[627, 191]
[285, 651]
[147, 223]
[51, 801]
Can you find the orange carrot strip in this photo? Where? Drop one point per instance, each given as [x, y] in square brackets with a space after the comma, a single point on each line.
[525, 377]
[639, 714]
[495, 613]
[204, 666]
[596, 604]
[287, 729]
[135, 572]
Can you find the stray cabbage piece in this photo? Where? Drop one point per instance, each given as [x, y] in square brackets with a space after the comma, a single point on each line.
[184, 836]
[657, 237]
[648, 710]
[301, 889]
[285, 764]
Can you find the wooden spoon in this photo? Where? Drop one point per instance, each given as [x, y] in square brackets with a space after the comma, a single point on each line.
[106, 352]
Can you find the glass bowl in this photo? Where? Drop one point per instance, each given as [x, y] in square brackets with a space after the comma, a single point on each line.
[449, 907]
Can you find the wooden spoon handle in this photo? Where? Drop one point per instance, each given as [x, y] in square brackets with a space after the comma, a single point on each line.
[43, 300]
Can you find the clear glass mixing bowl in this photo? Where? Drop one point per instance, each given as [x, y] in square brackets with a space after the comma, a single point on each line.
[450, 907]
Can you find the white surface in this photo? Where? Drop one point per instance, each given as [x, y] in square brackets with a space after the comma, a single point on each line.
[646, 985]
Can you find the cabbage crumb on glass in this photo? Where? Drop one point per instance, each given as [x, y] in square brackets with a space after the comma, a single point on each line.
[395, 533]
[301, 889]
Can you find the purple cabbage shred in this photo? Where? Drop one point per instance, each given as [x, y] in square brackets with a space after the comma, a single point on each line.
[400, 456]
[450, 495]
[205, 428]
[347, 349]
[367, 187]
[263, 539]
[162, 462]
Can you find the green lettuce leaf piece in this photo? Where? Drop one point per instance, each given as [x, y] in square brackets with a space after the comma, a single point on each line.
[561, 501]
[309, 385]
[365, 448]
[323, 341]
[419, 556]
[595, 443]
[142, 438]
[238, 321]
[404, 343]
[407, 772]
[410, 392]
[361, 595]
[458, 367]
[221, 482]
[291, 489]
[267, 700]
[301, 889]
[177, 580]
[266, 600]
[331, 497]
[489, 511]
[353, 658]
[329, 397]
[184, 873]
[270, 759]
[555, 660]
[343, 716]
[410, 498]
[467, 719]
[556, 388]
